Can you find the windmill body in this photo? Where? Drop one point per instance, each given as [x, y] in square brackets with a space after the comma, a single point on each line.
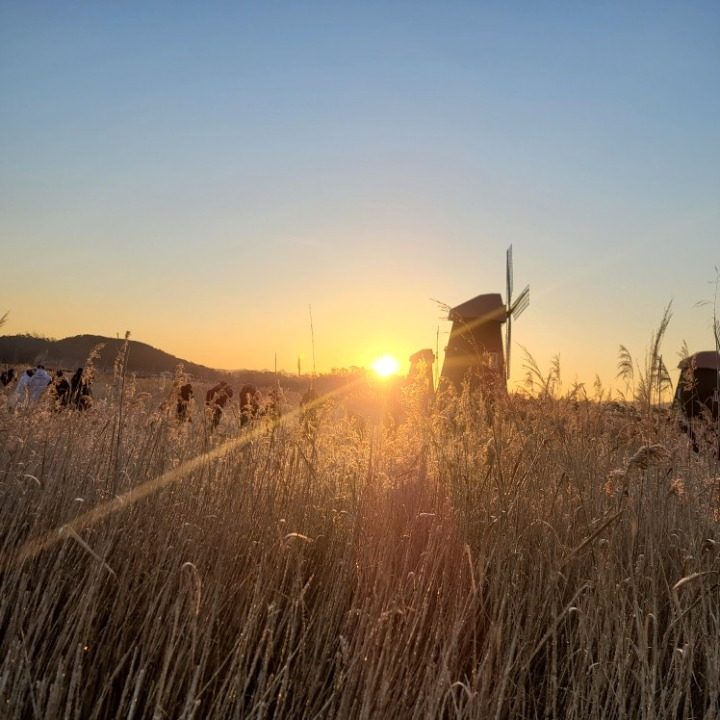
[474, 353]
[475, 345]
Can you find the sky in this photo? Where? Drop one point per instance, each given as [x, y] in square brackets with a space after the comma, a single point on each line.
[202, 174]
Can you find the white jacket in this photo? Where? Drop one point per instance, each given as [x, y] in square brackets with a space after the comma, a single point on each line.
[39, 382]
[21, 390]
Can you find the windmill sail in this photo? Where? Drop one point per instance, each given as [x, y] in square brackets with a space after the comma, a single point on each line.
[509, 274]
[508, 326]
[521, 303]
[508, 339]
[515, 308]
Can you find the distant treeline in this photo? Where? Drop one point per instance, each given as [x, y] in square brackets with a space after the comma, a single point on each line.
[145, 360]
[298, 383]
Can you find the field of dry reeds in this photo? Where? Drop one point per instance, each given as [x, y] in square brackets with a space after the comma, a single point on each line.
[546, 558]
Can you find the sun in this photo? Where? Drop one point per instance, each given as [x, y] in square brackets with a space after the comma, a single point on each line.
[386, 366]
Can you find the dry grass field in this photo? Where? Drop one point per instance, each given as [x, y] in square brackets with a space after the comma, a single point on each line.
[551, 558]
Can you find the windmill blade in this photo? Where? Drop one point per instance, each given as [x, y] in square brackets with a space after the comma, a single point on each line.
[509, 275]
[521, 303]
[508, 339]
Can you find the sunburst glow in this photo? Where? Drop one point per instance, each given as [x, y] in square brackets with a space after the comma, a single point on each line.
[386, 365]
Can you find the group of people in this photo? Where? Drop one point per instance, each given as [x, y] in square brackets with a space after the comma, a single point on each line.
[216, 398]
[36, 383]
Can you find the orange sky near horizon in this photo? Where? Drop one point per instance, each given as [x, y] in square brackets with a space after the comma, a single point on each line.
[356, 332]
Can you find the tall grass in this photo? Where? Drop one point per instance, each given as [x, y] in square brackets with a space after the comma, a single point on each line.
[653, 380]
[537, 559]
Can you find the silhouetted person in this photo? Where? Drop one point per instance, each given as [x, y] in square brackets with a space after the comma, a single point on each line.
[61, 390]
[216, 399]
[249, 404]
[185, 394]
[7, 376]
[274, 405]
[21, 392]
[80, 391]
[39, 383]
[75, 382]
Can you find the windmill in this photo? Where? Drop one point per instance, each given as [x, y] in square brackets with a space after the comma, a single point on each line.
[475, 348]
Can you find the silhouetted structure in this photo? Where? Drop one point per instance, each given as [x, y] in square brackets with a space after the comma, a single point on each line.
[697, 395]
[474, 353]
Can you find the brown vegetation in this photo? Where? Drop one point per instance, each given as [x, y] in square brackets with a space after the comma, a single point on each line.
[552, 558]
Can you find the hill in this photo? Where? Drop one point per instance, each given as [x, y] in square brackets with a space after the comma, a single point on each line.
[143, 359]
[72, 352]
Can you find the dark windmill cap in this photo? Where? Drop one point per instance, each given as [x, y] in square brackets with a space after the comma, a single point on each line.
[704, 360]
[486, 307]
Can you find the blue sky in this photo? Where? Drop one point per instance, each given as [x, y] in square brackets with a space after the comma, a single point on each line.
[201, 173]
